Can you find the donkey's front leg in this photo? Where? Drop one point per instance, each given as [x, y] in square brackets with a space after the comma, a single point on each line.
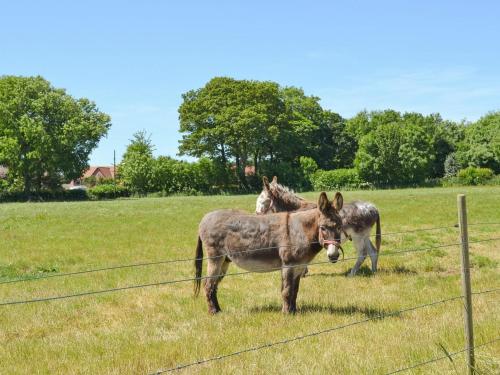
[357, 265]
[359, 244]
[290, 279]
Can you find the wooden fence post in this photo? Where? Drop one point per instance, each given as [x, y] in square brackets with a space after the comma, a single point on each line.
[466, 288]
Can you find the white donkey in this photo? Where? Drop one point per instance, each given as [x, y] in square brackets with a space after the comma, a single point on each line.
[358, 219]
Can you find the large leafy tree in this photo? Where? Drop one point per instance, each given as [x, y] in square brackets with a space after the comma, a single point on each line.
[230, 120]
[481, 144]
[243, 122]
[395, 154]
[137, 167]
[365, 122]
[46, 135]
[378, 153]
[340, 146]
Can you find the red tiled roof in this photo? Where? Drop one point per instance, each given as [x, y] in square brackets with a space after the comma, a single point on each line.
[101, 171]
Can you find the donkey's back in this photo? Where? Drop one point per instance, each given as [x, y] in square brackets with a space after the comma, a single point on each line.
[230, 231]
[359, 216]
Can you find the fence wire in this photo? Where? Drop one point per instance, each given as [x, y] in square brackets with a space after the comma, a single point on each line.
[169, 261]
[176, 281]
[181, 260]
[311, 334]
[448, 355]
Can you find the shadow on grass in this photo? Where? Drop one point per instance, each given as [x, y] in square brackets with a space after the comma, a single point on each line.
[311, 308]
[365, 271]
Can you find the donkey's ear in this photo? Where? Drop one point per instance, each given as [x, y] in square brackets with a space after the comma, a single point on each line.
[275, 180]
[265, 183]
[323, 203]
[338, 201]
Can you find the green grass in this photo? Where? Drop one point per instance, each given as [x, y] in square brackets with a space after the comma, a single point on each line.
[142, 330]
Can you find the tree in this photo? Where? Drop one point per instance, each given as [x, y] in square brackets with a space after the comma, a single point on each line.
[340, 145]
[444, 137]
[365, 122]
[46, 135]
[229, 120]
[481, 144]
[395, 154]
[243, 122]
[136, 169]
[377, 157]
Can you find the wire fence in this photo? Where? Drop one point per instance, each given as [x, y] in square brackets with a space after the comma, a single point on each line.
[183, 260]
[237, 253]
[446, 356]
[169, 261]
[191, 279]
[315, 333]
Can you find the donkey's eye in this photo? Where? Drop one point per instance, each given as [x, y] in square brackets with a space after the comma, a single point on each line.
[322, 227]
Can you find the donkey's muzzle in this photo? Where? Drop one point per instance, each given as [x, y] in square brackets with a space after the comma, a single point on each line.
[333, 250]
[334, 258]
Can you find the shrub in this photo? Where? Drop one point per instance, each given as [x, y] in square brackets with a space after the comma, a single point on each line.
[474, 176]
[308, 165]
[451, 165]
[43, 195]
[108, 192]
[495, 180]
[337, 179]
[288, 174]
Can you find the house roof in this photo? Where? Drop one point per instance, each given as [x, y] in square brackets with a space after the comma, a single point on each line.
[104, 171]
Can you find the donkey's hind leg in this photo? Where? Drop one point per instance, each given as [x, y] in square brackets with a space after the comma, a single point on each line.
[372, 251]
[216, 269]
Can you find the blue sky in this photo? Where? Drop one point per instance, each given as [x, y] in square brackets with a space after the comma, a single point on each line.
[136, 58]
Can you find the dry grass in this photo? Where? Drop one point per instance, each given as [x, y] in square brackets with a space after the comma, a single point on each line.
[140, 331]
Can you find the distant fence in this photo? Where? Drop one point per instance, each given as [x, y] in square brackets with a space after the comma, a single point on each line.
[466, 296]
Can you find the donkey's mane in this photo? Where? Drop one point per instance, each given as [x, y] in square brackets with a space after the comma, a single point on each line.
[285, 197]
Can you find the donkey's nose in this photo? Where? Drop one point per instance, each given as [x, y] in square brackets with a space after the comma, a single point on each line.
[333, 258]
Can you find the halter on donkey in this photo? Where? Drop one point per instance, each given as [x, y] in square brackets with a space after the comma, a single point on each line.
[357, 219]
[263, 243]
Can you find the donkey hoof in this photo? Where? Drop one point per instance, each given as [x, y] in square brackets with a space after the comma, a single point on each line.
[214, 311]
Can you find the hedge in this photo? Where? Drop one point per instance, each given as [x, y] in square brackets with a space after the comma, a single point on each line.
[43, 196]
[337, 179]
[108, 192]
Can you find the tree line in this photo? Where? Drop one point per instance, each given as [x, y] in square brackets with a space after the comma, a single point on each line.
[229, 125]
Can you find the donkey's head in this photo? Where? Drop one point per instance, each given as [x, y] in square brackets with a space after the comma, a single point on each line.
[265, 200]
[330, 224]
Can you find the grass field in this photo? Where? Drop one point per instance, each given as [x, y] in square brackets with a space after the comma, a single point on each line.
[143, 330]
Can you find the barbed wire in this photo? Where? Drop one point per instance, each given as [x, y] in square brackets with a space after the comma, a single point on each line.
[486, 291]
[166, 261]
[472, 224]
[448, 355]
[176, 281]
[202, 278]
[301, 337]
[169, 261]
[416, 230]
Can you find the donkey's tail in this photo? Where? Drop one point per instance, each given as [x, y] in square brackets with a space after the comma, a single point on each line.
[378, 234]
[198, 265]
